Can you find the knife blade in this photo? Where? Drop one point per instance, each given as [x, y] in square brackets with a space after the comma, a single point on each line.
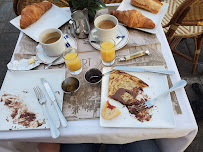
[135, 69]
[53, 99]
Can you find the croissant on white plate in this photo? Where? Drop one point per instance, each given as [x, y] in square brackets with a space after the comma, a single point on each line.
[133, 18]
[32, 13]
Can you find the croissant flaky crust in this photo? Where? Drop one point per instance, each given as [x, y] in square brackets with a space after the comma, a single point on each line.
[133, 18]
[151, 5]
[31, 13]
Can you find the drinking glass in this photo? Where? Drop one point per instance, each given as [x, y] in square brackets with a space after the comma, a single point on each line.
[107, 49]
[72, 61]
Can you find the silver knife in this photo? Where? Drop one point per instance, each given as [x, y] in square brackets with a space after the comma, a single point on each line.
[53, 99]
[50, 64]
[135, 69]
[117, 40]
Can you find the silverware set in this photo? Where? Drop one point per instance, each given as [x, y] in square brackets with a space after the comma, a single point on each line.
[42, 101]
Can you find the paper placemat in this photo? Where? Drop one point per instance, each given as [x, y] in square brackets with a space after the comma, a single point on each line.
[25, 48]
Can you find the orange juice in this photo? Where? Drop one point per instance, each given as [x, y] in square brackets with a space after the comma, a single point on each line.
[107, 51]
[72, 61]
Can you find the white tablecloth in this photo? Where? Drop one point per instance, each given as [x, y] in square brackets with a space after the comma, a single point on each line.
[89, 131]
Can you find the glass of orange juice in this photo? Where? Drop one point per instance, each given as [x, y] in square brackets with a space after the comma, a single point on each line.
[72, 61]
[107, 49]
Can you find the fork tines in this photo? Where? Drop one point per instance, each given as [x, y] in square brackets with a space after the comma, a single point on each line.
[38, 93]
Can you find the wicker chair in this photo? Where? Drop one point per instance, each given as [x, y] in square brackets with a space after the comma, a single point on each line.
[18, 5]
[186, 21]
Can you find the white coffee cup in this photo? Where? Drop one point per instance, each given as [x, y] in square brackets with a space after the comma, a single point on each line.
[54, 48]
[102, 34]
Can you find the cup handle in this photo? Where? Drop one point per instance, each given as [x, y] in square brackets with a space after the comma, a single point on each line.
[39, 47]
[94, 34]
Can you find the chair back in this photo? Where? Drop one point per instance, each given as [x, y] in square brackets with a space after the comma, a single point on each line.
[18, 5]
[195, 14]
[189, 13]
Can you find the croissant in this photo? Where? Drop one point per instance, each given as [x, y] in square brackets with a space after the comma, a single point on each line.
[31, 13]
[151, 5]
[133, 18]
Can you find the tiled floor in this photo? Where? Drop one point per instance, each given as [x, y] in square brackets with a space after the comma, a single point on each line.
[9, 35]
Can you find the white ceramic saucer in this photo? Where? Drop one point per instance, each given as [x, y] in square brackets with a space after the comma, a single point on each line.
[122, 31]
[47, 59]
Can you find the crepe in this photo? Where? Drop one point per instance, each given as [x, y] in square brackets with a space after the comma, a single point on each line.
[124, 87]
[109, 111]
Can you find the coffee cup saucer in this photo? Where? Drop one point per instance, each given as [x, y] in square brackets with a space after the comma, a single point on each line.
[41, 55]
[122, 31]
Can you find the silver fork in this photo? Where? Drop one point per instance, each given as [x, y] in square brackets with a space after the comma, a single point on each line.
[179, 84]
[42, 100]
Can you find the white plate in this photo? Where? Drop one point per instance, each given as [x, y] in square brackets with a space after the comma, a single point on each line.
[162, 113]
[47, 59]
[23, 64]
[55, 17]
[156, 18]
[21, 84]
[122, 31]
